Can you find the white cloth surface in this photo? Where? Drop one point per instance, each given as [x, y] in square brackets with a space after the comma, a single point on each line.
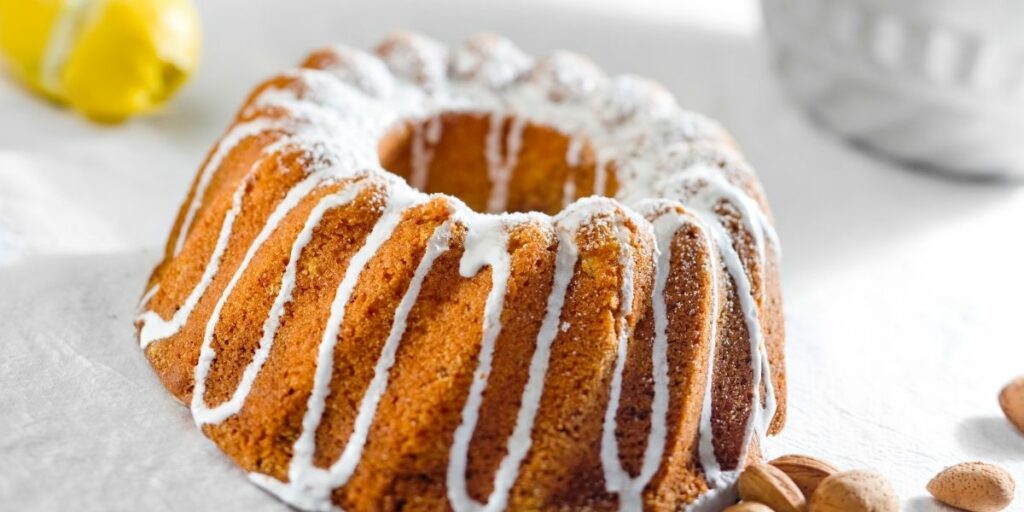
[902, 289]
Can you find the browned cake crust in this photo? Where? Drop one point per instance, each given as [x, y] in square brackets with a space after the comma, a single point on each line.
[249, 234]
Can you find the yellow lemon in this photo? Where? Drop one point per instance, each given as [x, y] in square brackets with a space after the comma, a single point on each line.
[108, 59]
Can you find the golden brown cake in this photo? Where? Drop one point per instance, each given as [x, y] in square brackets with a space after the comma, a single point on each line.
[425, 279]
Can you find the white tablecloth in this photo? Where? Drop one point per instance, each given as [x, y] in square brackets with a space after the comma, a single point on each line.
[902, 289]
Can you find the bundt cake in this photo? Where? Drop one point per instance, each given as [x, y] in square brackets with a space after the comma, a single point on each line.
[425, 279]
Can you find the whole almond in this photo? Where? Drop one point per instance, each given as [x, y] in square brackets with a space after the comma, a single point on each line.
[1011, 399]
[806, 472]
[973, 486]
[767, 484]
[749, 506]
[855, 491]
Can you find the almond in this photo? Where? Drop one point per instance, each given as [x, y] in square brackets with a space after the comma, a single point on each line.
[806, 472]
[767, 484]
[973, 486]
[855, 491]
[1011, 399]
[749, 506]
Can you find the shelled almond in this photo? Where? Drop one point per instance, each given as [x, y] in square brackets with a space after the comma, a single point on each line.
[855, 491]
[974, 486]
[1011, 399]
[805, 471]
[767, 484]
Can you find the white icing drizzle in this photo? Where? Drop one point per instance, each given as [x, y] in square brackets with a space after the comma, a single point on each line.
[201, 413]
[666, 225]
[566, 226]
[144, 301]
[309, 486]
[499, 166]
[345, 466]
[338, 115]
[761, 417]
[615, 476]
[705, 447]
[486, 244]
[423, 133]
[155, 327]
[228, 143]
[434, 129]
[572, 159]
[715, 499]
[704, 189]
[574, 151]
[666, 220]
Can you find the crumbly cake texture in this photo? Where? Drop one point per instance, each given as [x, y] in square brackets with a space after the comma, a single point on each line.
[425, 278]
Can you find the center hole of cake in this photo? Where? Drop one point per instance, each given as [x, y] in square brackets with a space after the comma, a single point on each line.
[496, 163]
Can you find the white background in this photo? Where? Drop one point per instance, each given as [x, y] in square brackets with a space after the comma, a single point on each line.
[902, 289]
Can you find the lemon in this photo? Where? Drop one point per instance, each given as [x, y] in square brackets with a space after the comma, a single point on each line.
[109, 59]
